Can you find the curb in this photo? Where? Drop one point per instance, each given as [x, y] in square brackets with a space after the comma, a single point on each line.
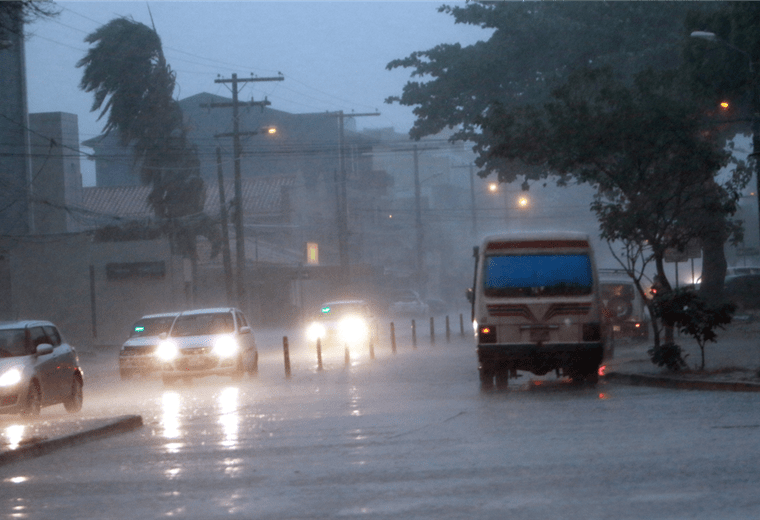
[121, 424]
[682, 384]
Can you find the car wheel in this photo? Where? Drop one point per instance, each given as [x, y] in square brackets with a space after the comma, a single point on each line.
[237, 375]
[254, 369]
[33, 403]
[73, 402]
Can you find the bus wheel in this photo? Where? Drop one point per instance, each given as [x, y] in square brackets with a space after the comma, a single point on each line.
[502, 379]
[486, 380]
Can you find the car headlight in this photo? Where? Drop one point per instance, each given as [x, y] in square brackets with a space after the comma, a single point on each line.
[316, 331]
[353, 330]
[167, 350]
[225, 346]
[10, 377]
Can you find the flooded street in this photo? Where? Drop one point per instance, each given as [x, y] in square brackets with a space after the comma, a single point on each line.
[401, 436]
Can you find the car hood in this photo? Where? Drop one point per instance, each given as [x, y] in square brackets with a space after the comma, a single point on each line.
[197, 341]
[142, 341]
[17, 361]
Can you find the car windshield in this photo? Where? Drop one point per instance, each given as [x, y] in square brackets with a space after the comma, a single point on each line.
[203, 324]
[538, 275]
[331, 311]
[151, 326]
[12, 343]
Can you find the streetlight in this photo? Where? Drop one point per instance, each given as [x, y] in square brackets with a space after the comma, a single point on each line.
[754, 102]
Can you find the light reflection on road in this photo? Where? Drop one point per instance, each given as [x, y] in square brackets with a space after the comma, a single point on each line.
[229, 416]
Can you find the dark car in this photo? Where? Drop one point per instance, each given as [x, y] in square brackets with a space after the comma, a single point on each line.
[37, 368]
[743, 291]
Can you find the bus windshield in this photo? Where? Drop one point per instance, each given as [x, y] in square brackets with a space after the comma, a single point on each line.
[538, 275]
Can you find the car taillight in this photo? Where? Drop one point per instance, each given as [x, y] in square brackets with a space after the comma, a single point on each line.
[592, 332]
[486, 334]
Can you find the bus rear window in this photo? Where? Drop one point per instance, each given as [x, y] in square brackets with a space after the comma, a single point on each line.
[537, 275]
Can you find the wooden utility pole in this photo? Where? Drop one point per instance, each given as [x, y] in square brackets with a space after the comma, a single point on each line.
[225, 232]
[342, 199]
[235, 134]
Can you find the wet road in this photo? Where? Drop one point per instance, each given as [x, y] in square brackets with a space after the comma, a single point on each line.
[401, 436]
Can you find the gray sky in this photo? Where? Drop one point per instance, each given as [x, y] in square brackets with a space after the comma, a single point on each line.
[332, 53]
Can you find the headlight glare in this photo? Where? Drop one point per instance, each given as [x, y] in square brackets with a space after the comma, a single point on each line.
[315, 331]
[353, 330]
[167, 350]
[10, 377]
[225, 347]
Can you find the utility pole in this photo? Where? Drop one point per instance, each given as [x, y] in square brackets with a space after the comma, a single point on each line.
[225, 232]
[342, 199]
[418, 213]
[236, 133]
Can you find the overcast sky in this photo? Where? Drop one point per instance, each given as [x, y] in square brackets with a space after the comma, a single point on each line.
[332, 54]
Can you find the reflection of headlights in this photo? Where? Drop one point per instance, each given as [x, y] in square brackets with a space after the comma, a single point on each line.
[225, 346]
[352, 330]
[315, 331]
[167, 350]
[10, 377]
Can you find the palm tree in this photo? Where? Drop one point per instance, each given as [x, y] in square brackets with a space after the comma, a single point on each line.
[133, 85]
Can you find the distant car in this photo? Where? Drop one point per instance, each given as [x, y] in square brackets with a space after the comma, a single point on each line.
[408, 303]
[743, 290]
[138, 353]
[623, 306]
[37, 369]
[204, 342]
[342, 322]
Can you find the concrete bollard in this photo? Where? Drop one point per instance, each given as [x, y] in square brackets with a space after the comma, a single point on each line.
[319, 354]
[286, 354]
[448, 330]
[347, 357]
[414, 334]
[432, 330]
[371, 348]
[461, 325]
[393, 338]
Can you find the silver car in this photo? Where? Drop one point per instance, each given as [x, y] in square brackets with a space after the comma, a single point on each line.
[138, 353]
[37, 368]
[207, 342]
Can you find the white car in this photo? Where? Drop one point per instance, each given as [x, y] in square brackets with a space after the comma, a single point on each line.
[138, 353]
[205, 342]
[408, 303]
[37, 368]
[342, 323]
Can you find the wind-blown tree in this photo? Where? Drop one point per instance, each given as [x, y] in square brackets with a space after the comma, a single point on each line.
[126, 70]
[645, 150]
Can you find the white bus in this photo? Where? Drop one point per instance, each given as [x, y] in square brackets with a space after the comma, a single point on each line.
[536, 307]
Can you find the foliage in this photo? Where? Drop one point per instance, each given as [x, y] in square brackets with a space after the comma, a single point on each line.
[133, 85]
[13, 15]
[668, 355]
[532, 47]
[693, 315]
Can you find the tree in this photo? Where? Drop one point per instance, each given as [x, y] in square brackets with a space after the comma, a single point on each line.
[133, 86]
[727, 69]
[642, 147]
[13, 16]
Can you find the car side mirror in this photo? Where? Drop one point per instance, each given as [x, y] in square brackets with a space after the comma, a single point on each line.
[245, 330]
[44, 348]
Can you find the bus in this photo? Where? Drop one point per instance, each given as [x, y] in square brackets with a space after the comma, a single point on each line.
[536, 307]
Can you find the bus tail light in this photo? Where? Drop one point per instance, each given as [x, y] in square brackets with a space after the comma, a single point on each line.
[486, 334]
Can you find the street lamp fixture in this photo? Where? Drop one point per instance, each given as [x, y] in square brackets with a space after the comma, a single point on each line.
[493, 187]
[523, 202]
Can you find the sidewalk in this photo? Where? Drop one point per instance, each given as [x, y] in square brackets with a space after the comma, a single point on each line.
[732, 363]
